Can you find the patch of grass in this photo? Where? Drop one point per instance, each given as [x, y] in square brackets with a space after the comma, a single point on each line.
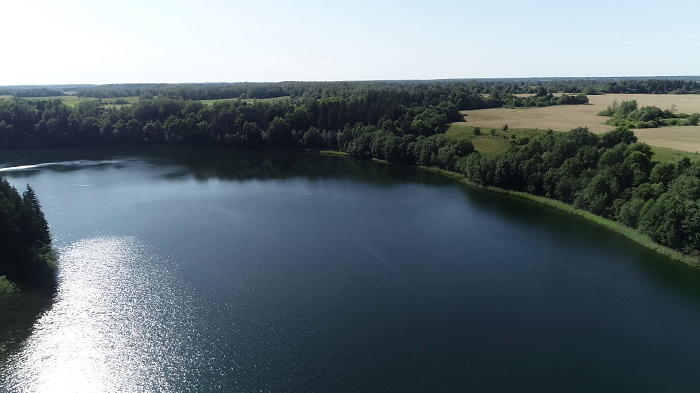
[490, 142]
[664, 154]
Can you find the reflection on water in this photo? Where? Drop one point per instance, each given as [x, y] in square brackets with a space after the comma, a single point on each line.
[110, 328]
[222, 165]
[277, 271]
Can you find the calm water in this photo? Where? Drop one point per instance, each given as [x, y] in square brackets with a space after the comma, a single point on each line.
[221, 271]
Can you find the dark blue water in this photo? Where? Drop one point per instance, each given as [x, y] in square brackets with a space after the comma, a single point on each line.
[230, 271]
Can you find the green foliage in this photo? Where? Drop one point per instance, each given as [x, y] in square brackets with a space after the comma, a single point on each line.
[25, 242]
[611, 176]
[629, 115]
[7, 287]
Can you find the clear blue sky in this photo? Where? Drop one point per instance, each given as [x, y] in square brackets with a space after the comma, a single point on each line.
[95, 41]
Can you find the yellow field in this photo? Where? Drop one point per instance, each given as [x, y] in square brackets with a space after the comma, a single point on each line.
[566, 117]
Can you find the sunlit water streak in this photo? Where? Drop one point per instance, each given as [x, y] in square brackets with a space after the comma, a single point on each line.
[63, 165]
[112, 328]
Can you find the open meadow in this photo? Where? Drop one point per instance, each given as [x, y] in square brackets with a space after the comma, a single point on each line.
[566, 117]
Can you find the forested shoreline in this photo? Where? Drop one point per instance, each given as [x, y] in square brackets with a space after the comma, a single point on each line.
[26, 257]
[611, 175]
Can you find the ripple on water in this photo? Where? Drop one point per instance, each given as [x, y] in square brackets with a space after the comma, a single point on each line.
[118, 324]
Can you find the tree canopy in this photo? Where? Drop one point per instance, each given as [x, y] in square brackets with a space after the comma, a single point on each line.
[25, 242]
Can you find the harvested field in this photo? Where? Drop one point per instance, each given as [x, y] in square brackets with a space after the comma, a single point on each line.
[566, 117]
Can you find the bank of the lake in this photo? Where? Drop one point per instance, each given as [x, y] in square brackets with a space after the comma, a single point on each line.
[614, 226]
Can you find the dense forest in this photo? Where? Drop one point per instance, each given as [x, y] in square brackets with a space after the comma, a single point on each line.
[26, 256]
[401, 122]
[611, 175]
[402, 109]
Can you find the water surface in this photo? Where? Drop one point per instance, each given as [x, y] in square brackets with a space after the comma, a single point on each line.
[231, 271]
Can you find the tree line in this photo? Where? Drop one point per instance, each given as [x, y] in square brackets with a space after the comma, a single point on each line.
[26, 256]
[247, 90]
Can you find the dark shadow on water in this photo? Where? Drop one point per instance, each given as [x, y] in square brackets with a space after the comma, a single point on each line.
[244, 166]
[672, 275]
[216, 164]
[18, 314]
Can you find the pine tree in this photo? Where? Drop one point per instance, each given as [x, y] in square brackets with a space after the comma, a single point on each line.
[34, 227]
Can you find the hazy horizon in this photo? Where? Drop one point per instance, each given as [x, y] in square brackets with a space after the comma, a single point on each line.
[88, 42]
[534, 78]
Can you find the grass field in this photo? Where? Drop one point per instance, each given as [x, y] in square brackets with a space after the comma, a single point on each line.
[566, 117]
[490, 142]
[499, 141]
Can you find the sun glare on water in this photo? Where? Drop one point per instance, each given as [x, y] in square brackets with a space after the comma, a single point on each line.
[102, 333]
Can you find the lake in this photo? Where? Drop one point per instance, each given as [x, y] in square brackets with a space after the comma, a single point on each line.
[289, 272]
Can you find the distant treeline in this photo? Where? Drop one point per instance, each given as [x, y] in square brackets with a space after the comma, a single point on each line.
[33, 92]
[325, 89]
[211, 91]
[26, 256]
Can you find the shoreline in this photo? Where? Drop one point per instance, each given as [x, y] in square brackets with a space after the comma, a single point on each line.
[630, 233]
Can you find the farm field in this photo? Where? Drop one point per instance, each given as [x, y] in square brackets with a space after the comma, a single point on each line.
[497, 141]
[566, 117]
